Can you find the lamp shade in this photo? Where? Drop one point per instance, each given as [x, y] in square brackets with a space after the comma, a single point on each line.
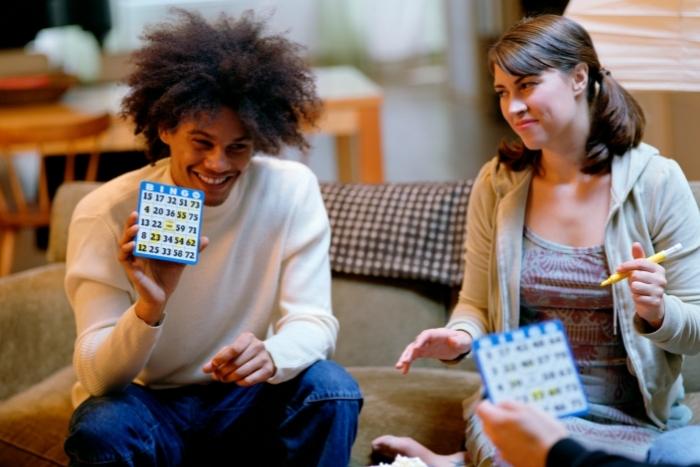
[648, 45]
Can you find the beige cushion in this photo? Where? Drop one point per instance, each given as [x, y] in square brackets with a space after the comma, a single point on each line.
[426, 405]
[34, 423]
[379, 317]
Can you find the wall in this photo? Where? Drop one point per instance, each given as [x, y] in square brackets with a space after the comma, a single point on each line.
[672, 126]
[298, 17]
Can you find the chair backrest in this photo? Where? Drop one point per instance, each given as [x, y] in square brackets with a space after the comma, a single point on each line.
[25, 141]
[15, 62]
[65, 201]
[26, 144]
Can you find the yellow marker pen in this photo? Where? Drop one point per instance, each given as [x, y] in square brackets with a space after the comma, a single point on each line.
[655, 258]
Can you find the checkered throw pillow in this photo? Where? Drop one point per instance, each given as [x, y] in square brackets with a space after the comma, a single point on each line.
[403, 230]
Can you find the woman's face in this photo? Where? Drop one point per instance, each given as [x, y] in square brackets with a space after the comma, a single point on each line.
[209, 152]
[544, 110]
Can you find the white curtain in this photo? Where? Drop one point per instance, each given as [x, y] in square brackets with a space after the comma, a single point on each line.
[646, 44]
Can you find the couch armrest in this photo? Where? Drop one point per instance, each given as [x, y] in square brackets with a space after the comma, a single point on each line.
[691, 373]
[37, 328]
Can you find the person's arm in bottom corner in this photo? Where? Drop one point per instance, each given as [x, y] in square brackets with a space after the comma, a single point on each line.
[529, 437]
[567, 452]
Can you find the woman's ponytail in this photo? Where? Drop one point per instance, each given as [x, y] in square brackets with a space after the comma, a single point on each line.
[617, 122]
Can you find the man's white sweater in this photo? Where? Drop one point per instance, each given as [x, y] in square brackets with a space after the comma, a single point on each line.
[266, 271]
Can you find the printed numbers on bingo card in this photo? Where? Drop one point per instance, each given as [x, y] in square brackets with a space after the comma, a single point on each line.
[170, 219]
[533, 365]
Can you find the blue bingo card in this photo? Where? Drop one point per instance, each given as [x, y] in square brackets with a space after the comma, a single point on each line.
[170, 218]
[533, 365]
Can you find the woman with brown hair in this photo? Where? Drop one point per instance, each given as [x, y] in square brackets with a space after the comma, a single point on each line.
[574, 199]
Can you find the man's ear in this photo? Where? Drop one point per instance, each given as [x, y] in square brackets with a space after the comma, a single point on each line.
[579, 78]
[164, 135]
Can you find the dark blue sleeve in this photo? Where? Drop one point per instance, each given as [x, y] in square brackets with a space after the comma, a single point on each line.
[569, 453]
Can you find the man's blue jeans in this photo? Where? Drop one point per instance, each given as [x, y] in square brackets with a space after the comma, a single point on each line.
[308, 421]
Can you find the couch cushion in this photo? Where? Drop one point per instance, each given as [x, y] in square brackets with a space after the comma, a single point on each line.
[426, 405]
[692, 400]
[34, 423]
[691, 373]
[407, 230]
[378, 317]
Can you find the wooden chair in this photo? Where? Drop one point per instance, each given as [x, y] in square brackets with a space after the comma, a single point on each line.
[18, 62]
[67, 138]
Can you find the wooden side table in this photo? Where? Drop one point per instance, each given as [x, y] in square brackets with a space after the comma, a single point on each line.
[352, 105]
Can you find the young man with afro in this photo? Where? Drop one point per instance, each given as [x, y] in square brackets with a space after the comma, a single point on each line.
[223, 361]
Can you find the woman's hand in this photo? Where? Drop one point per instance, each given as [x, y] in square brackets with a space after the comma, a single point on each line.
[154, 280]
[245, 362]
[647, 281]
[440, 343]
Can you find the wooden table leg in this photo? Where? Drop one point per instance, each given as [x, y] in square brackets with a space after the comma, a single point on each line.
[343, 153]
[369, 147]
[93, 162]
[7, 249]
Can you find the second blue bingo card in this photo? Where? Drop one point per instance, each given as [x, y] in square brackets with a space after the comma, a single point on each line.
[532, 365]
[170, 218]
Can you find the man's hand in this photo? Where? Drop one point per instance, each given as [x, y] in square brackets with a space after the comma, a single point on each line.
[523, 434]
[246, 362]
[440, 343]
[154, 280]
[647, 281]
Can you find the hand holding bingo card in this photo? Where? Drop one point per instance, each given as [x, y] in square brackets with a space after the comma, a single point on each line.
[170, 218]
[532, 365]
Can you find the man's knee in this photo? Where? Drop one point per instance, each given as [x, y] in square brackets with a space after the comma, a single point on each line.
[109, 430]
[104, 415]
[326, 380]
[321, 418]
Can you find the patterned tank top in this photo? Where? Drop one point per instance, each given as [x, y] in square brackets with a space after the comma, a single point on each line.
[563, 282]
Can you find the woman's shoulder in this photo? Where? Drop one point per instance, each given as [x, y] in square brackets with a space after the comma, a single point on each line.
[660, 169]
[643, 166]
[653, 176]
[498, 178]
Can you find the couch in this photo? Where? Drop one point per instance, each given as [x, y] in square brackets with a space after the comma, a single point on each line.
[396, 256]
